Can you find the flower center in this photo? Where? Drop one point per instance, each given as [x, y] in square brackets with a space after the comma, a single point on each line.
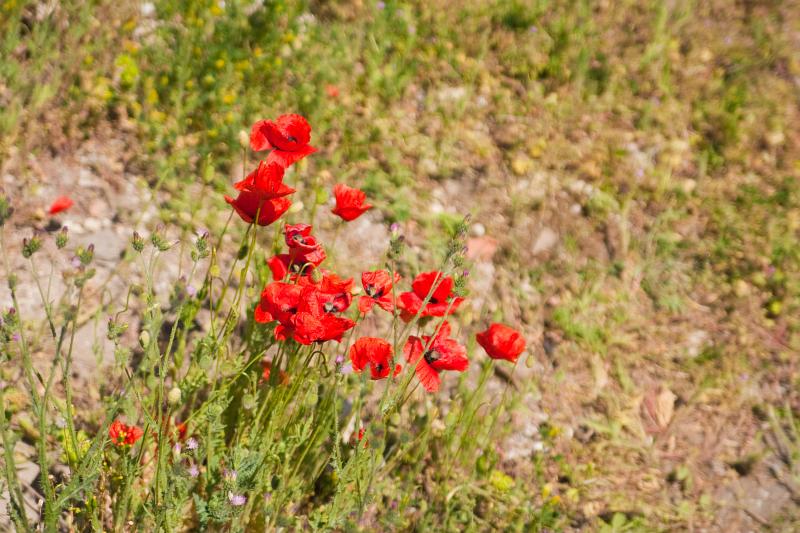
[292, 138]
[373, 292]
[431, 356]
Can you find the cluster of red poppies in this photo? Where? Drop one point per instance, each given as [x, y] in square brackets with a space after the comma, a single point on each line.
[263, 195]
[308, 302]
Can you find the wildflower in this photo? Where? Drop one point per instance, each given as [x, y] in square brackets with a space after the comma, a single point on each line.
[303, 247]
[279, 302]
[287, 137]
[333, 293]
[191, 443]
[314, 323]
[375, 353]
[262, 192]
[349, 202]
[237, 500]
[282, 265]
[434, 354]
[378, 286]
[62, 203]
[193, 470]
[229, 474]
[502, 342]
[332, 91]
[442, 301]
[124, 435]
[266, 180]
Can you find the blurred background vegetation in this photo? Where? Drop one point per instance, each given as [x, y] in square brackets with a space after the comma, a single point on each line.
[631, 169]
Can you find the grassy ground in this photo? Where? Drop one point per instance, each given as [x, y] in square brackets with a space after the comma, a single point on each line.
[631, 170]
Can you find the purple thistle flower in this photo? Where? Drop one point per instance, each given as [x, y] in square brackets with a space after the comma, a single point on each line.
[190, 290]
[237, 500]
[347, 369]
[191, 443]
[339, 359]
[193, 470]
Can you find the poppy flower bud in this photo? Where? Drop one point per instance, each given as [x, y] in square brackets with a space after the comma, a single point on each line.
[159, 241]
[62, 237]
[137, 242]
[174, 396]
[31, 246]
[86, 255]
[144, 339]
[12, 283]
[244, 138]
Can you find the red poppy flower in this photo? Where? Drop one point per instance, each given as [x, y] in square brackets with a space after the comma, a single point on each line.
[502, 342]
[281, 266]
[279, 301]
[378, 286]
[375, 353]
[349, 202]
[266, 180]
[263, 188]
[183, 429]
[315, 321]
[432, 355]
[124, 435]
[303, 247]
[441, 302]
[62, 203]
[334, 294]
[288, 137]
[247, 204]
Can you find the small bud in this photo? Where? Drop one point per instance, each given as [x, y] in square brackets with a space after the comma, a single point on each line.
[137, 242]
[244, 138]
[62, 237]
[12, 281]
[144, 339]
[31, 246]
[159, 241]
[5, 210]
[316, 275]
[85, 256]
[174, 396]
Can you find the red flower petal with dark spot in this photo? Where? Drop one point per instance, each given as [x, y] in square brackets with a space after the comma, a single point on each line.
[378, 288]
[442, 302]
[374, 353]
[432, 355]
[502, 342]
[349, 202]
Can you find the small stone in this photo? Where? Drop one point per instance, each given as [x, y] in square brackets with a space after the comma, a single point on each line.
[696, 341]
[546, 240]
[741, 288]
